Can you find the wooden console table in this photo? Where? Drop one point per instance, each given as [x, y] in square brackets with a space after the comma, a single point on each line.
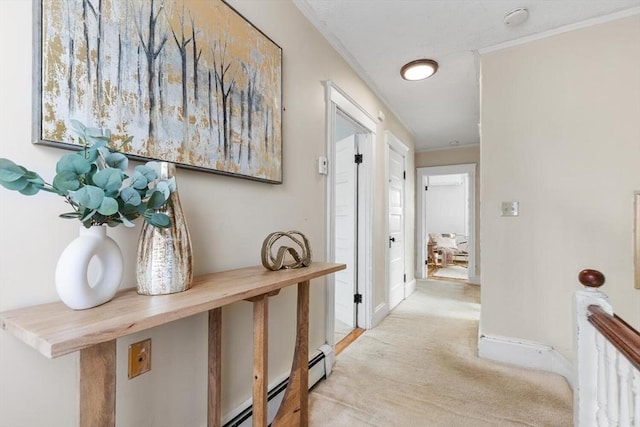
[55, 330]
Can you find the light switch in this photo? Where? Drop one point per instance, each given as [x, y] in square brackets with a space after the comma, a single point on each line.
[510, 209]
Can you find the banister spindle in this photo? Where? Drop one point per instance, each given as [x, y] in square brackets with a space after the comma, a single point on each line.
[624, 369]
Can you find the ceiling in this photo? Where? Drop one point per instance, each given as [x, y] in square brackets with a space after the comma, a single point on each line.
[377, 37]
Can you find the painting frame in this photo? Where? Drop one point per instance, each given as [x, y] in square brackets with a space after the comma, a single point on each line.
[231, 128]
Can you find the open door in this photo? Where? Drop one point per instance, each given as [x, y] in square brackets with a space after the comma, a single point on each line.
[346, 226]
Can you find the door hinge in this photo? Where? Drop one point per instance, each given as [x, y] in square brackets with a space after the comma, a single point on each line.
[426, 188]
[404, 277]
[357, 298]
[358, 158]
[404, 174]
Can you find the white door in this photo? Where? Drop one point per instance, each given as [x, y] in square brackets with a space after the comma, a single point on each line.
[396, 228]
[345, 234]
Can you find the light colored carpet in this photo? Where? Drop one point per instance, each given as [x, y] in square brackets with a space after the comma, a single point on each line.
[419, 367]
[452, 272]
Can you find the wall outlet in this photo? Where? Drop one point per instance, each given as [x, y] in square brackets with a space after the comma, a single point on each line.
[139, 358]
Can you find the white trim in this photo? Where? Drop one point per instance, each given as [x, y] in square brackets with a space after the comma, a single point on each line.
[409, 288]
[329, 358]
[380, 312]
[560, 30]
[448, 147]
[336, 99]
[394, 143]
[351, 107]
[421, 241]
[526, 354]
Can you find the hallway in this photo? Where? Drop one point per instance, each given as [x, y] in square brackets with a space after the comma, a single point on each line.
[419, 368]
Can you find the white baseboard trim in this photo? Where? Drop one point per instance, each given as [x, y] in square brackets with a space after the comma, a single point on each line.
[329, 358]
[409, 288]
[379, 313]
[474, 280]
[525, 354]
[242, 415]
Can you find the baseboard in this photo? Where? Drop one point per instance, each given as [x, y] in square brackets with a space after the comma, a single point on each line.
[242, 415]
[474, 280]
[379, 313]
[525, 354]
[409, 288]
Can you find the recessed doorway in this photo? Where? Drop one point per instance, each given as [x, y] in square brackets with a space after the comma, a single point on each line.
[446, 222]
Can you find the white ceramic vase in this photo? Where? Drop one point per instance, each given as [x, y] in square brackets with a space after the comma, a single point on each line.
[72, 272]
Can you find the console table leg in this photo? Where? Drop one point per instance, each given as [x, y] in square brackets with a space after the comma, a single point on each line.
[294, 410]
[214, 409]
[260, 359]
[98, 385]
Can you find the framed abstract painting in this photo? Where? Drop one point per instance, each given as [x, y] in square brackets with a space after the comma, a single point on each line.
[193, 82]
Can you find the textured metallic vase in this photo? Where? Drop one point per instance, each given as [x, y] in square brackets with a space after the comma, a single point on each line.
[164, 261]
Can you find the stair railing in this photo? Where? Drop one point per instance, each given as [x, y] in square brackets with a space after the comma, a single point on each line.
[607, 360]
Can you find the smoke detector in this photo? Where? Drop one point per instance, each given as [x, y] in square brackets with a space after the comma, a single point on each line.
[516, 17]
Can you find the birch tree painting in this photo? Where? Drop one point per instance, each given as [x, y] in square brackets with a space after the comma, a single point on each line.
[192, 81]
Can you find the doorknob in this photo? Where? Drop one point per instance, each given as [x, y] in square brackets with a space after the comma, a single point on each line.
[391, 239]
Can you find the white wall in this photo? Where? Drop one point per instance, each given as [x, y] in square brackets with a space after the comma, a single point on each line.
[228, 219]
[446, 208]
[561, 135]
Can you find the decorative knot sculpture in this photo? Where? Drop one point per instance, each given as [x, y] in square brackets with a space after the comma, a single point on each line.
[302, 259]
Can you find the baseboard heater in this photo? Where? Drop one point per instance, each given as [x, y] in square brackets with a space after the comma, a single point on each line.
[317, 372]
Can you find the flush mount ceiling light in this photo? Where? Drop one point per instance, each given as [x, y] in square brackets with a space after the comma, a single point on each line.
[419, 69]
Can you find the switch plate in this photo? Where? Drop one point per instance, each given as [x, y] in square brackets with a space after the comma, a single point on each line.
[510, 209]
[323, 167]
[139, 358]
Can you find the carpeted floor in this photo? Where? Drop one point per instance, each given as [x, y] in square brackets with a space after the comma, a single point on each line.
[419, 367]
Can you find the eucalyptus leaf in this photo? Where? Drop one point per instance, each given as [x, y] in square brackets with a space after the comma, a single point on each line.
[108, 207]
[163, 187]
[75, 163]
[147, 171]
[138, 180]
[118, 161]
[159, 220]
[89, 196]
[130, 196]
[156, 200]
[31, 189]
[66, 181]
[9, 171]
[17, 185]
[90, 154]
[109, 180]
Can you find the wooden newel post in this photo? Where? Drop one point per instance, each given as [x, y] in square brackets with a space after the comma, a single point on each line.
[585, 402]
[591, 278]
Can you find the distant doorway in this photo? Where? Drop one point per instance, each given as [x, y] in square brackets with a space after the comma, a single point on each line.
[446, 223]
